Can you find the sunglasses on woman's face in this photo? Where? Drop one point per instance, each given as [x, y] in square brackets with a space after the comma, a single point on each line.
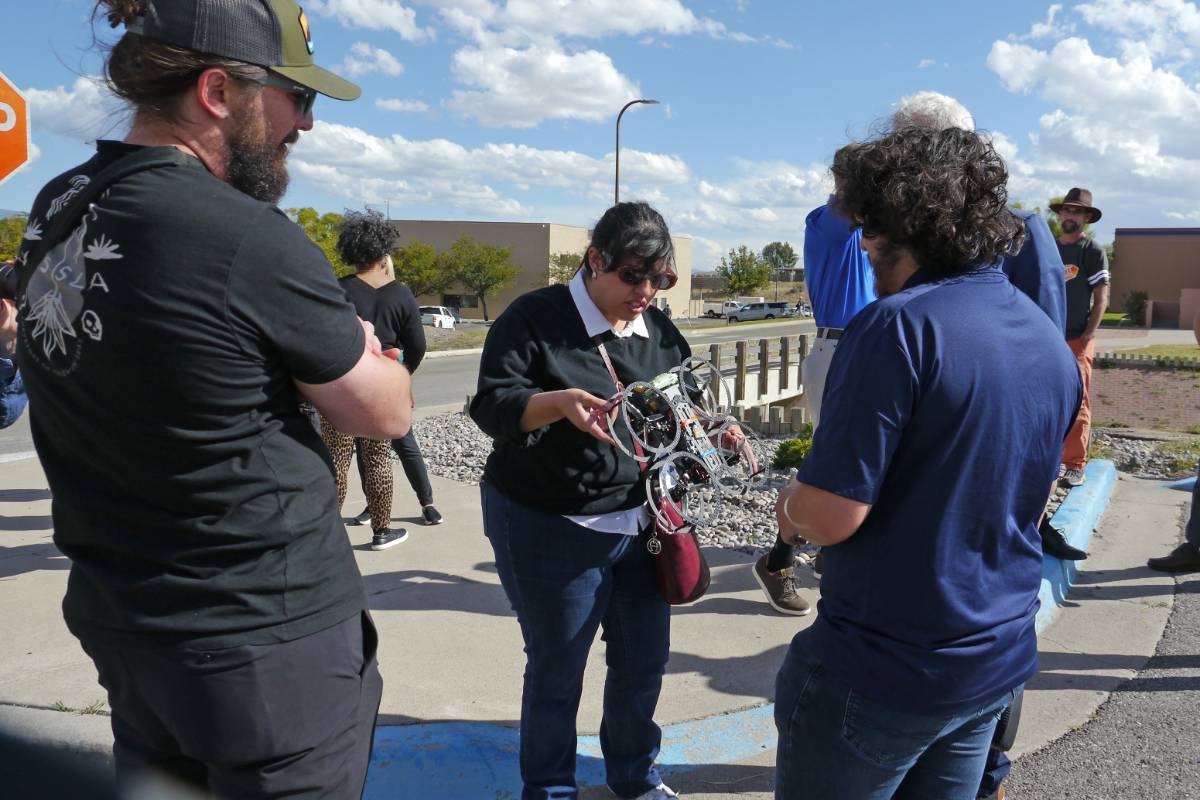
[635, 276]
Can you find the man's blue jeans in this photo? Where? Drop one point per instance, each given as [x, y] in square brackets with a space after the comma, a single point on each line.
[835, 743]
[564, 582]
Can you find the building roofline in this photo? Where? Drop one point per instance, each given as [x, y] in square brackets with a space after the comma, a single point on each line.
[1157, 232]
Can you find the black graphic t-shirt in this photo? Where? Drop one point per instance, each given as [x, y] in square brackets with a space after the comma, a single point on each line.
[1086, 268]
[159, 343]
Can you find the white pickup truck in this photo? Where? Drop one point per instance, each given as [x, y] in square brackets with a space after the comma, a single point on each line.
[720, 308]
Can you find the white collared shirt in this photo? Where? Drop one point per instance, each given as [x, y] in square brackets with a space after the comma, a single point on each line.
[630, 520]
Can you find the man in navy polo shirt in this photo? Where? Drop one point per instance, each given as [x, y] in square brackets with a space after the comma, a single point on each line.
[945, 408]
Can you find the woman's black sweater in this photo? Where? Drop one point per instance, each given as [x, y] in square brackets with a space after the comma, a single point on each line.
[539, 344]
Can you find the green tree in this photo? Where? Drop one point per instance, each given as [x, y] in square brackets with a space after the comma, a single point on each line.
[780, 256]
[562, 267]
[11, 230]
[744, 271]
[481, 268]
[322, 229]
[421, 268]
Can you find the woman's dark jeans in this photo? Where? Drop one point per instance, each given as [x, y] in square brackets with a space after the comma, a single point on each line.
[564, 582]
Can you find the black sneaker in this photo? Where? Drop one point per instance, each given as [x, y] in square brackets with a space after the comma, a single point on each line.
[780, 589]
[384, 539]
[362, 518]
[431, 515]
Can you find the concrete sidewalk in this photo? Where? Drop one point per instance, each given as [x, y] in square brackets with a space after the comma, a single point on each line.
[451, 651]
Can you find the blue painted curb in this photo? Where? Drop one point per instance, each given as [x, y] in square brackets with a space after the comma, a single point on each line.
[1076, 518]
[1185, 485]
[478, 760]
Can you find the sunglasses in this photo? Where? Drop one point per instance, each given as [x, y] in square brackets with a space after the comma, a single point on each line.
[635, 276]
[302, 96]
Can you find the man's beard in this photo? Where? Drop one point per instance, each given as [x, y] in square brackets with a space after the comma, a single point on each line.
[885, 261]
[1070, 226]
[256, 166]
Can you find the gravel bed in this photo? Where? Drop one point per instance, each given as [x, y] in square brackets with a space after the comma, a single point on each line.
[455, 448]
[1138, 456]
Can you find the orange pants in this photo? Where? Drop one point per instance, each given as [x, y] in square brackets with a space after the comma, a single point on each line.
[1076, 445]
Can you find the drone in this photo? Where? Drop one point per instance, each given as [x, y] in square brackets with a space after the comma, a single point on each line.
[694, 455]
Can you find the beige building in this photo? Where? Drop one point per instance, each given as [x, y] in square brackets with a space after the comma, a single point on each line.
[1165, 264]
[532, 244]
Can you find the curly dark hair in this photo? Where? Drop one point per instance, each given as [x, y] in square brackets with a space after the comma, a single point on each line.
[939, 193]
[364, 238]
[633, 230]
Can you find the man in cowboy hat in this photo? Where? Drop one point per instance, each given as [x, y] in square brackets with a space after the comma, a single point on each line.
[1087, 298]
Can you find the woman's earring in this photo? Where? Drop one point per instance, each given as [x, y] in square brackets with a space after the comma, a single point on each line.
[595, 274]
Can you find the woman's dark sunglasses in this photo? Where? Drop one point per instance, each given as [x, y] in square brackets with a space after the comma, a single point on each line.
[635, 276]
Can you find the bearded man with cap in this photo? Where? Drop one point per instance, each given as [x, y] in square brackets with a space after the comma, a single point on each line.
[172, 319]
[1087, 299]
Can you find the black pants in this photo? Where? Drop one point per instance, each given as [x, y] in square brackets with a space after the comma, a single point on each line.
[414, 467]
[293, 720]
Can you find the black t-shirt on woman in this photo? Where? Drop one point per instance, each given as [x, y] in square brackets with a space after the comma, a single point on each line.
[539, 344]
[159, 344]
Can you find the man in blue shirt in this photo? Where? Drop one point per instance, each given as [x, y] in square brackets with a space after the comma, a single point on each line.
[946, 405]
[841, 283]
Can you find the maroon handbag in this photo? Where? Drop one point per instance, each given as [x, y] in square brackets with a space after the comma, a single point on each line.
[680, 568]
[679, 564]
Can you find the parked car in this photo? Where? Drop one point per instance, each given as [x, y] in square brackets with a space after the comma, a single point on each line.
[754, 311]
[437, 316]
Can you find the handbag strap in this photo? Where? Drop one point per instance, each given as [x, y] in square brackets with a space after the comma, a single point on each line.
[637, 448]
[68, 217]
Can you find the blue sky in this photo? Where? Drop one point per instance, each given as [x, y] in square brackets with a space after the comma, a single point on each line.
[504, 109]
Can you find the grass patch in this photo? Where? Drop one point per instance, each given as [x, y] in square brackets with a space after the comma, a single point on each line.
[1098, 450]
[453, 339]
[1114, 319]
[99, 708]
[1192, 429]
[1182, 456]
[1166, 351]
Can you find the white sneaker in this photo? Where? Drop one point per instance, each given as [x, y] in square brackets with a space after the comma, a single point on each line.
[660, 792]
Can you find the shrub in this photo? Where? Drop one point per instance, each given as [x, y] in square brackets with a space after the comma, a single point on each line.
[791, 454]
[1135, 307]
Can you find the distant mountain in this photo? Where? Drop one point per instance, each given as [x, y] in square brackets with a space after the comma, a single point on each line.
[5, 213]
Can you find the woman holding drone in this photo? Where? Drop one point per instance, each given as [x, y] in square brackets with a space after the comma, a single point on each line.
[563, 506]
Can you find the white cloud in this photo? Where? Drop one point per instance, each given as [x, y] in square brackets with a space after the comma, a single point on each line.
[1123, 125]
[363, 59]
[1049, 27]
[357, 164]
[926, 62]
[521, 20]
[84, 112]
[520, 88]
[395, 104]
[374, 15]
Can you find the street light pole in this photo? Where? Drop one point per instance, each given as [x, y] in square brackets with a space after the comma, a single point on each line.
[617, 188]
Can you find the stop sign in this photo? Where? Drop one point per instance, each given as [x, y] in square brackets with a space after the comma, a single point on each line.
[14, 129]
